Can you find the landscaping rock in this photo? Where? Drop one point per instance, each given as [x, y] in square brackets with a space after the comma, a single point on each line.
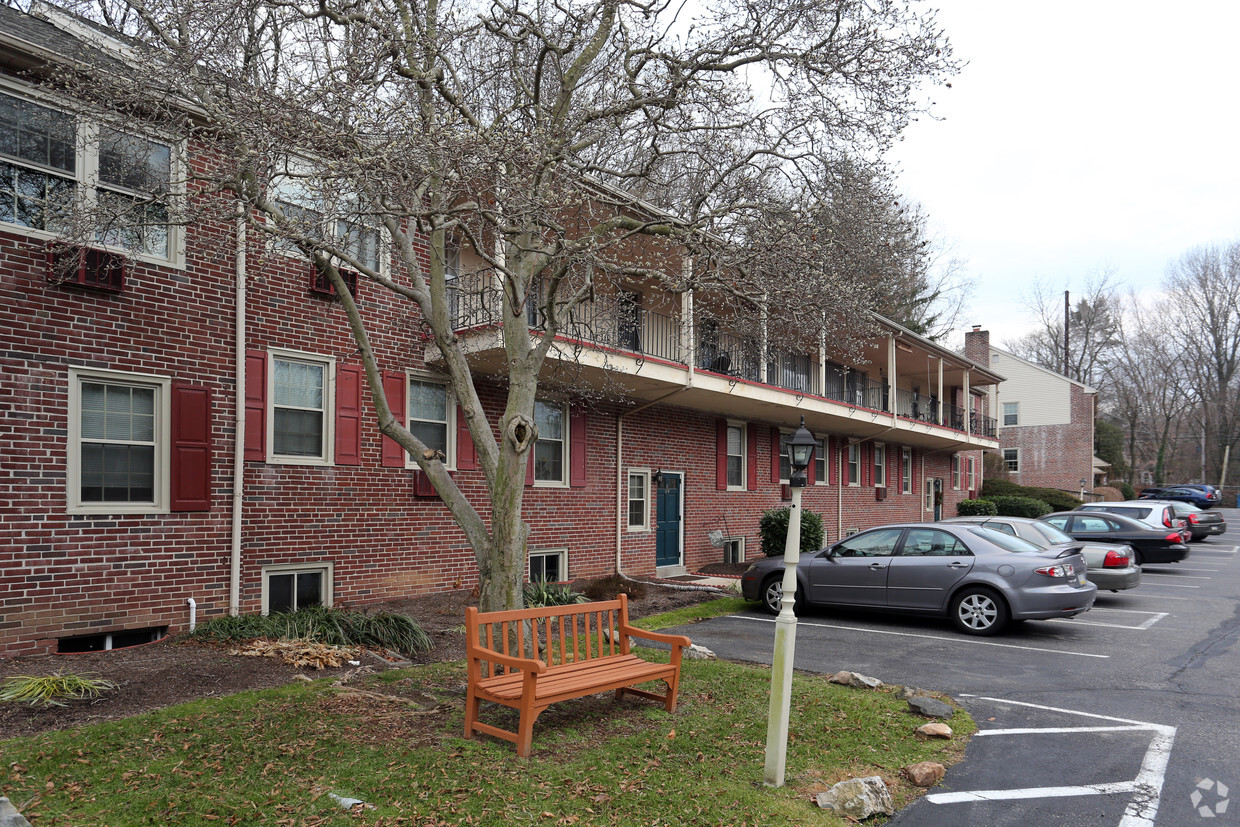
[695, 652]
[855, 679]
[9, 817]
[925, 773]
[907, 692]
[858, 798]
[935, 731]
[930, 707]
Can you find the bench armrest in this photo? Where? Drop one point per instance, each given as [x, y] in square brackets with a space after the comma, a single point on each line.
[679, 641]
[535, 665]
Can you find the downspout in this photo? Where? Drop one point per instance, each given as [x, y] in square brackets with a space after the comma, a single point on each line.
[234, 573]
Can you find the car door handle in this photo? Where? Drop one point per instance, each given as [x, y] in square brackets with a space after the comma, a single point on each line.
[877, 566]
[957, 565]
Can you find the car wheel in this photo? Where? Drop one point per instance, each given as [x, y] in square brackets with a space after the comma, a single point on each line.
[773, 593]
[1137, 560]
[979, 611]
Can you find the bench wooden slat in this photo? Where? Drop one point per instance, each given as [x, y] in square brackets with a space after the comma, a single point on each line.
[600, 661]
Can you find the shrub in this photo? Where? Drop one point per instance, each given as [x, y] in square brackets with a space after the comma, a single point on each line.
[613, 585]
[774, 530]
[541, 594]
[319, 624]
[976, 508]
[1128, 491]
[51, 690]
[1056, 499]
[1109, 494]
[1020, 507]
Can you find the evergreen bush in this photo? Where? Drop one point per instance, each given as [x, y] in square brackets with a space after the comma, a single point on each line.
[976, 508]
[1127, 490]
[1020, 507]
[773, 528]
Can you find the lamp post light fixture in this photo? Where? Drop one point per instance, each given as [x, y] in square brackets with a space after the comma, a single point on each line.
[800, 454]
[1082, 488]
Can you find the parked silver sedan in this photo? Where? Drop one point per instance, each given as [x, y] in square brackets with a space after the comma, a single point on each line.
[980, 578]
[1111, 566]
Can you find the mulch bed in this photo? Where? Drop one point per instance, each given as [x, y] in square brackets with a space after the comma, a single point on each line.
[169, 672]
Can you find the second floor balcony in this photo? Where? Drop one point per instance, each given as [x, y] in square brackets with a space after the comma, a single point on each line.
[654, 351]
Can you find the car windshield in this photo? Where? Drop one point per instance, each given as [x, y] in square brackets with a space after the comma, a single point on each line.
[1186, 508]
[1004, 541]
[1054, 535]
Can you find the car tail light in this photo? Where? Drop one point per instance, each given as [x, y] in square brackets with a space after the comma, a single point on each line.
[1175, 537]
[1167, 518]
[1061, 570]
[1117, 558]
[1192, 518]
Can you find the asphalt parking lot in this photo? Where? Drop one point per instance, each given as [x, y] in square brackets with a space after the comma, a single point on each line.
[1128, 714]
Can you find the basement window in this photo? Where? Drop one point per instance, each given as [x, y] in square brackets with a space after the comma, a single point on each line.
[110, 640]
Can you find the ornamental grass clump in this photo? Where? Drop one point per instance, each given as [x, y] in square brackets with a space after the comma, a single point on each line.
[52, 690]
[541, 594]
[319, 624]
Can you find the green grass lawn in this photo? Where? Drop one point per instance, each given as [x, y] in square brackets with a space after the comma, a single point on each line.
[395, 741]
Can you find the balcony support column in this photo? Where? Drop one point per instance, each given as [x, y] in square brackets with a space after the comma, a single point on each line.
[968, 406]
[942, 404]
[688, 326]
[891, 374]
[822, 361]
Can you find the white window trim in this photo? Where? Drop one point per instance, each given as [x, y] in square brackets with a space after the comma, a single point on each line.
[326, 568]
[561, 553]
[329, 407]
[906, 470]
[421, 376]
[1003, 413]
[86, 176]
[852, 456]
[744, 426]
[825, 477]
[972, 473]
[880, 467]
[1003, 454]
[163, 442]
[956, 473]
[644, 473]
[564, 440]
[741, 542]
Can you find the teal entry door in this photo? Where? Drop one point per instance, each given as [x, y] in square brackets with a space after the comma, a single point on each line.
[667, 526]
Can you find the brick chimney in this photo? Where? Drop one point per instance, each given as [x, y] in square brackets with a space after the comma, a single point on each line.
[977, 345]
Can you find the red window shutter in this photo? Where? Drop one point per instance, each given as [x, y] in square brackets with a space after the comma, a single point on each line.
[394, 390]
[867, 463]
[422, 486]
[810, 476]
[751, 461]
[578, 444]
[775, 455]
[529, 467]
[832, 475]
[466, 456]
[256, 405]
[191, 448]
[721, 455]
[348, 415]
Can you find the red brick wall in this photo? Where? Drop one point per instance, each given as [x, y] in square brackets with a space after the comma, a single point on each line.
[1057, 456]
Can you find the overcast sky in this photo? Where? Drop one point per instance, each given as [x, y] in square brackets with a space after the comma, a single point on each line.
[1082, 134]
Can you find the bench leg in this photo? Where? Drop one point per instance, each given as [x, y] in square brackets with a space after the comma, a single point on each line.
[472, 705]
[525, 729]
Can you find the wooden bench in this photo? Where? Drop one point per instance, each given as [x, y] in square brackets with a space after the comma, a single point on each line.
[583, 648]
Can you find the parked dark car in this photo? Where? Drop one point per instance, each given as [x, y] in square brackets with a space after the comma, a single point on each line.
[1202, 496]
[980, 578]
[1110, 566]
[1201, 523]
[1152, 545]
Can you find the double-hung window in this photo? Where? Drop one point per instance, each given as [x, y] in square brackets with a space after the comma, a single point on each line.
[118, 442]
[431, 417]
[972, 473]
[313, 213]
[880, 465]
[736, 457]
[1011, 458]
[820, 462]
[51, 164]
[955, 472]
[550, 451]
[639, 501]
[301, 402]
[1011, 413]
[854, 464]
[906, 470]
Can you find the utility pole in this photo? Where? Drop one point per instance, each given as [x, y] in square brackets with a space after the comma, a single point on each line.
[1067, 316]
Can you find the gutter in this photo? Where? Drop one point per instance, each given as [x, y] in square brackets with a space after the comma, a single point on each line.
[238, 487]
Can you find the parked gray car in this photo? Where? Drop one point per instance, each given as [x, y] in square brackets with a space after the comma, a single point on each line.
[1111, 566]
[980, 578]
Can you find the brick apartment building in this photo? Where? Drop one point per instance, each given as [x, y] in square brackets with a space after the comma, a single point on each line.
[130, 502]
[1045, 419]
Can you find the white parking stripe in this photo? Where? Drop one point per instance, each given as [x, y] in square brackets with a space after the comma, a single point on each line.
[1161, 575]
[1146, 582]
[1063, 729]
[963, 640]
[1141, 810]
[1145, 625]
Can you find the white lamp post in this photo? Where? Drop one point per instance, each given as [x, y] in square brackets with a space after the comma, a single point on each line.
[800, 453]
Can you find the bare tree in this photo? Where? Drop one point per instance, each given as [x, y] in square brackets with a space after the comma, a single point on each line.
[1205, 284]
[1093, 325]
[560, 144]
